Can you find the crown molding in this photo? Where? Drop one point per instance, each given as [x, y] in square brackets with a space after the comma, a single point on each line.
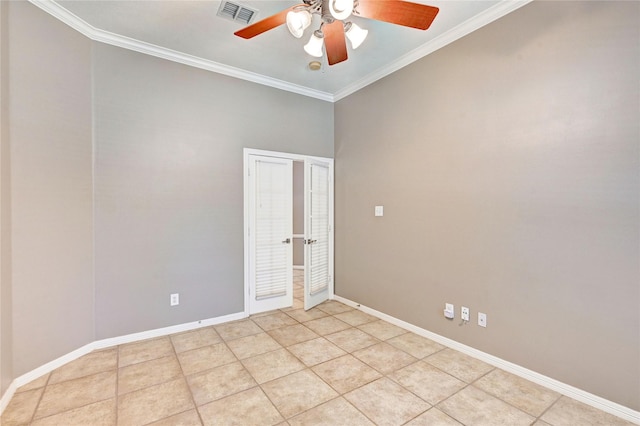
[476, 22]
[95, 34]
[499, 10]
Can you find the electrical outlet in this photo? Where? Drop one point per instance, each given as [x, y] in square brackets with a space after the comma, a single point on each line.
[175, 299]
[449, 311]
[482, 319]
[464, 313]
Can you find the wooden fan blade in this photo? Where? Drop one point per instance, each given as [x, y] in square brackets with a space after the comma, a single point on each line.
[266, 24]
[334, 43]
[398, 12]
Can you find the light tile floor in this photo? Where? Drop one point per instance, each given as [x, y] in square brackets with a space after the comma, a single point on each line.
[331, 365]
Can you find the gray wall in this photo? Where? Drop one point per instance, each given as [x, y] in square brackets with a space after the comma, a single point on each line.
[6, 346]
[51, 187]
[146, 155]
[169, 188]
[508, 166]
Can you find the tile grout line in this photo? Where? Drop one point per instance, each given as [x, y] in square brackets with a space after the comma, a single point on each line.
[44, 388]
[539, 418]
[184, 377]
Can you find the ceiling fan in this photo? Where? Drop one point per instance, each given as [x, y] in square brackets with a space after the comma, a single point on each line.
[334, 25]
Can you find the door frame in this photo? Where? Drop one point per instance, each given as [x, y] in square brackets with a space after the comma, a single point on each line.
[247, 241]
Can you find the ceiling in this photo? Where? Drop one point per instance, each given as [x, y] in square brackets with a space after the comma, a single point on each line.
[190, 32]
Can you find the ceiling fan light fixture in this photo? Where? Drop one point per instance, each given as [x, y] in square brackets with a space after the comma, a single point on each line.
[314, 46]
[355, 34]
[298, 21]
[341, 9]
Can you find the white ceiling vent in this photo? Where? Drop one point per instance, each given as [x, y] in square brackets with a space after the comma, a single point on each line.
[237, 12]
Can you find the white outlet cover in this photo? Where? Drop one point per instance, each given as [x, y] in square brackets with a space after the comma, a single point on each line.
[175, 299]
[464, 313]
[449, 311]
[379, 211]
[482, 319]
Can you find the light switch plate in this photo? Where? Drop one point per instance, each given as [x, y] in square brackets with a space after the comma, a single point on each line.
[379, 211]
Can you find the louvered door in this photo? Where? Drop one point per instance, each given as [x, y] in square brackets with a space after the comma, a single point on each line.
[318, 233]
[271, 232]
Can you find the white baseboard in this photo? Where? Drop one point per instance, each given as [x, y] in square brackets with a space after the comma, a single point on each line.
[106, 343]
[158, 332]
[553, 384]
[298, 267]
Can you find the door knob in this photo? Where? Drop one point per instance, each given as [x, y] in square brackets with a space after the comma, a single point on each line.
[310, 241]
[287, 241]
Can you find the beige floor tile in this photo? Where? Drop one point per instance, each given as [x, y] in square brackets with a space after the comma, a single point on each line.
[75, 393]
[272, 365]
[248, 408]
[206, 358]
[263, 314]
[457, 364]
[415, 345]
[154, 403]
[433, 417]
[384, 357]
[428, 382]
[253, 345]
[346, 373]
[149, 373]
[523, 394]
[326, 325]
[298, 392]
[298, 303]
[21, 407]
[195, 339]
[355, 317]
[303, 316]
[315, 351]
[333, 307]
[101, 413]
[569, 412]
[335, 412]
[293, 334]
[146, 350]
[541, 423]
[237, 329]
[220, 382]
[352, 339]
[92, 363]
[34, 384]
[275, 320]
[386, 402]
[471, 406]
[382, 329]
[188, 418]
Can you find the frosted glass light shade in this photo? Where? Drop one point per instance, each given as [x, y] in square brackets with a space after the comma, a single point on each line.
[314, 46]
[340, 9]
[356, 35]
[298, 21]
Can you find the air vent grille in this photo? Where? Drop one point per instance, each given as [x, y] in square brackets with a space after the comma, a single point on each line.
[236, 12]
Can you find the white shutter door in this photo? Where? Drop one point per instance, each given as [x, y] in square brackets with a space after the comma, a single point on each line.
[318, 221]
[272, 232]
